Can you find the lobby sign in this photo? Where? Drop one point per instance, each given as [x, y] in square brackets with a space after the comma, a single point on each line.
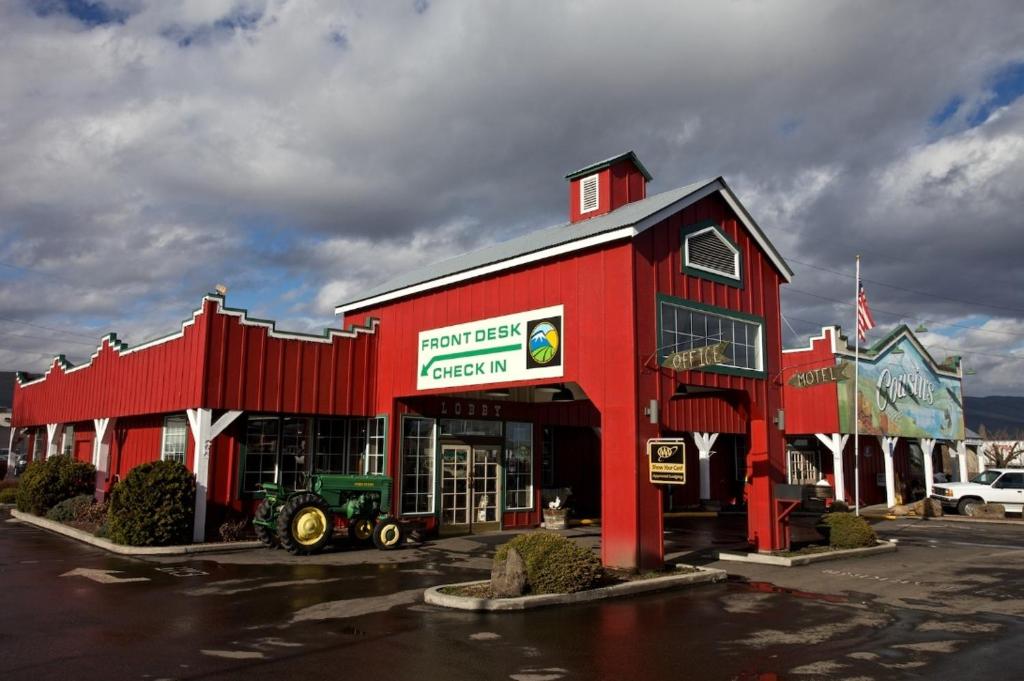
[517, 347]
[667, 461]
[901, 394]
[695, 358]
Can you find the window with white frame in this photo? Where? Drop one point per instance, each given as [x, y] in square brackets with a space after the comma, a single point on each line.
[417, 465]
[589, 199]
[68, 443]
[684, 328]
[804, 466]
[175, 438]
[710, 251]
[376, 433]
[519, 466]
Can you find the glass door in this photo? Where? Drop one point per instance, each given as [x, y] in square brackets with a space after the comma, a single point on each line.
[470, 487]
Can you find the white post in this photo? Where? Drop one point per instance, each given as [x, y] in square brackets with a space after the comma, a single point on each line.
[888, 449]
[204, 429]
[927, 446]
[704, 442]
[961, 456]
[11, 459]
[52, 430]
[856, 389]
[101, 450]
[836, 443]
[980, 449]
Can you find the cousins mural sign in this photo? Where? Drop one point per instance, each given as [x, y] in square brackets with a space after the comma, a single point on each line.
[901, 392]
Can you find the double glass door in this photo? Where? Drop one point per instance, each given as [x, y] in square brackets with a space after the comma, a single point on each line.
[470, 486]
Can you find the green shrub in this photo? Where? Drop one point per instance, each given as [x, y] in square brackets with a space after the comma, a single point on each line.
[849, 531]
[153, 505]
[70, 509]
[554, 564]
[8, 495]
[44, 484]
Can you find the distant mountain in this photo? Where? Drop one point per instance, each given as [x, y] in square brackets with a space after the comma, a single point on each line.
[6, 390]
[996, 413]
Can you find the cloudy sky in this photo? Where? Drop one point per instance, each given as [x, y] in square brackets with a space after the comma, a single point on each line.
[301, 151]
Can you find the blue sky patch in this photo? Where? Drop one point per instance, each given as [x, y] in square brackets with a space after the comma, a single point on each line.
[89, 13]
[1005, 87]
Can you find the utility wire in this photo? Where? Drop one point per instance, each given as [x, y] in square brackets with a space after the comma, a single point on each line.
[50, 328]
[847, 275]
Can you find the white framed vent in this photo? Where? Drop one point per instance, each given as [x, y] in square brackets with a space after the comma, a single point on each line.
[589, 198]
[708, 250]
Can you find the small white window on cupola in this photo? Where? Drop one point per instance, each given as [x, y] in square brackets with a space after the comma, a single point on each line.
[588, 194]
[708, 250]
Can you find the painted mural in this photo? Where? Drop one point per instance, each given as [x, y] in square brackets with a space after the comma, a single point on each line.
[900, 394]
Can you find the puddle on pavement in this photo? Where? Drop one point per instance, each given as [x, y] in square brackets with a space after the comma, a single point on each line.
[768, 587]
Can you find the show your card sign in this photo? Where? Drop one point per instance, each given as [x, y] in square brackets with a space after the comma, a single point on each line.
[516, 347]
[667, 461]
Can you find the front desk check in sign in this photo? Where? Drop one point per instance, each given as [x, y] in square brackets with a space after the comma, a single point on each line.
[516, 347]
[667, 461]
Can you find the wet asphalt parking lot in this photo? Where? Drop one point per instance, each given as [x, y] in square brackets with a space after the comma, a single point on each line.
[948, 605]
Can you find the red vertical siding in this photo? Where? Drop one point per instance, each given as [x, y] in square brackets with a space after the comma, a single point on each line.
[814, 409]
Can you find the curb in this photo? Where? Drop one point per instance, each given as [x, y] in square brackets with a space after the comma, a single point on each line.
[791, 561]
[106, 545]
[433, 595]
[962, 519]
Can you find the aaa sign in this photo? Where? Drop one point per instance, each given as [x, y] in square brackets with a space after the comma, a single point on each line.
[667, 461]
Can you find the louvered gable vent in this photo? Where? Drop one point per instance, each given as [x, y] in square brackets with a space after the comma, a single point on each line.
[708, 250]
[588, 194]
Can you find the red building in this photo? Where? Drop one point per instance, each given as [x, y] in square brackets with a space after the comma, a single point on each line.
[483, 384]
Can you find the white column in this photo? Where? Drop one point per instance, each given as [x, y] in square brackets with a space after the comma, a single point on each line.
[888, 449]
[980, 449]
[704, 442]
[927, 447]
[101, 449]
[204, 430]
[836, 443]
[52, 431]
[11, 458]
[961, 457]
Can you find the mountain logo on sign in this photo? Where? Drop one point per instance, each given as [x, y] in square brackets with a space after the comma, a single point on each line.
[545, 343]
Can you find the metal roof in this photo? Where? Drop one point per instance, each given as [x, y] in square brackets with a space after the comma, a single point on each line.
[594, 167]
[636, 217]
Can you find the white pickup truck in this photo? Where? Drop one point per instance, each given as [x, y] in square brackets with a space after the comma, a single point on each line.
[995, 486]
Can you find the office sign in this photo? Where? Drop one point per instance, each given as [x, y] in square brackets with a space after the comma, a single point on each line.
[695, 358]
[667, 461]
[517, 347]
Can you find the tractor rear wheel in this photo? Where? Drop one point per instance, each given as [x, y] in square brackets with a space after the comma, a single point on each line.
[304, 525]
[360, 530]
[267, 537]
[387, 534]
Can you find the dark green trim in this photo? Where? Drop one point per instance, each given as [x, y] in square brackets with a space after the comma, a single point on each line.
[874, 352]
[720, 311]
[436, 512]
[601, 165]
[687, 230]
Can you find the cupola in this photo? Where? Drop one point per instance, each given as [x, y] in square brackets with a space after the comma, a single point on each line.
[602, 187]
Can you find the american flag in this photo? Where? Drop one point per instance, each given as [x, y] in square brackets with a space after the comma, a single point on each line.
[865, 322]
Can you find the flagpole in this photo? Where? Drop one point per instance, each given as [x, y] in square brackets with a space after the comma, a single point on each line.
[856, 390]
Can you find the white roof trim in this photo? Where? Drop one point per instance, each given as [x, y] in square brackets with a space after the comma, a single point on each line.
[613, 235]
[122, 348]
[824, 332]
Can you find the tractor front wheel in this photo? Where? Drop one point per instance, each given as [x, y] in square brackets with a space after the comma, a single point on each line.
[304, 525]
[267, 537]
[387, 534]
[360, 530]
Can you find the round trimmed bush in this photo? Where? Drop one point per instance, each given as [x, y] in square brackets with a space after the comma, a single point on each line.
[153, 505]
[44, 484]
[849, 531]
[74, 508]
[554, 564]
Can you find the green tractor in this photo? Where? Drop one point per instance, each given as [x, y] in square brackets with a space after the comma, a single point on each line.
[303, 521]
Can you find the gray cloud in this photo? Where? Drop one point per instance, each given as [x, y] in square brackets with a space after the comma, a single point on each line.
[145, 159]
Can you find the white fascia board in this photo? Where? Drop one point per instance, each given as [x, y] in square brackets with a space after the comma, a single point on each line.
[824, 332]
[875, 354]
[122, 349]
[756, 232]
[554, 251]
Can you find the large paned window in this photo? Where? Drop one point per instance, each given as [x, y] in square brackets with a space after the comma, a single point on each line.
[519, 466]
[685, 327]
[262, 439]
[356, 446]
[295, 440]
[804, 466]
[175, 439]
[68, 443]
[331, 445]
[417, 465]
[375, 449]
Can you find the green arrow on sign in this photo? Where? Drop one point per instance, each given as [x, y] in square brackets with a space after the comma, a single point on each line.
[469, 353]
